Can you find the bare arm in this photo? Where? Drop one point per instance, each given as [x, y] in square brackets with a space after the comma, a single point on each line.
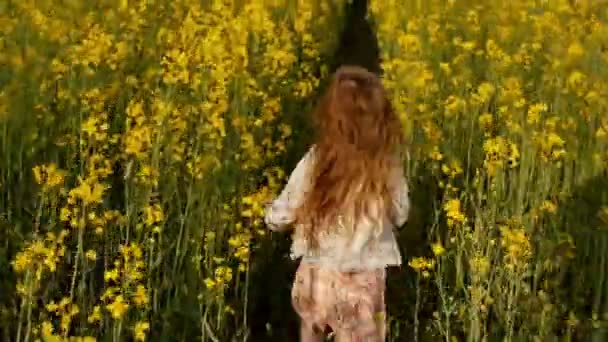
[401, 200]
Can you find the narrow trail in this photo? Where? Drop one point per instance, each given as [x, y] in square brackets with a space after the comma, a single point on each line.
[272, 317]
[358, 43]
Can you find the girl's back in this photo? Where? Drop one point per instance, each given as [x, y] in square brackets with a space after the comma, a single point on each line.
[349, 243]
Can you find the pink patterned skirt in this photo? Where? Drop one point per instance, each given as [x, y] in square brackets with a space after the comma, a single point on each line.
[351, 304]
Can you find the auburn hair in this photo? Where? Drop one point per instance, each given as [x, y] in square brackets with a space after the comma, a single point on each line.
[358, 144]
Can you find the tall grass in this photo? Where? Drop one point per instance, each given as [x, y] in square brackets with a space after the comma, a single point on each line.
[505, 107]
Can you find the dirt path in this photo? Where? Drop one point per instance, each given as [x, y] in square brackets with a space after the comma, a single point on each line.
[271, 314]
[358, 43]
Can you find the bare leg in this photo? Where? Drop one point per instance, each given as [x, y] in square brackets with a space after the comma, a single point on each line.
[308, 333]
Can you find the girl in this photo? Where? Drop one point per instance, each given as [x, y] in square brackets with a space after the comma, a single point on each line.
[344, 198]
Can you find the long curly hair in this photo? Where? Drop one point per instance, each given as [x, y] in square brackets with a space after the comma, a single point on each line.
[357, 148]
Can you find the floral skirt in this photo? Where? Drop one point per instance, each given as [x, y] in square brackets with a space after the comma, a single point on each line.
[351, 304]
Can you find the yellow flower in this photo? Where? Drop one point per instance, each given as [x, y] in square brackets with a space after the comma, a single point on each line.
[140, 297]
[46, 328]
[52, 307]
[91, 255]
[417, 263]
[421, 264]
[575, 50]
[209, 283]
[534, 113]
[112, 275]
[90, 191]
[485, 121]
[454, 105]
[49, 175]
[438, 249]
[118, 307]
[64, 214]
[484, 93]
[95, 316]
[436, 155]
[140, 330]
[153, 215]
[453, 212]
[549, 207]
[516, 244]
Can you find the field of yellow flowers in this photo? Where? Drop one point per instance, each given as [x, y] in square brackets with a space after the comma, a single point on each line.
[140, 139]
[506, 108]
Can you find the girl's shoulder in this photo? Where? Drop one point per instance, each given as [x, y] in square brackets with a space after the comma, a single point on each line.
[304, 165]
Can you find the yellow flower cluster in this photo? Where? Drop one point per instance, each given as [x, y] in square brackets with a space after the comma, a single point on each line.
[124, 279]
[516, 244]
[422, 265]
[38, 257]
[65, 310]
[49, 175]
[453, 212]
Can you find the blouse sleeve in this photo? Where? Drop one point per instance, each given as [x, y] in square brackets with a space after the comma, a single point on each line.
[280, 213]
[401, 199]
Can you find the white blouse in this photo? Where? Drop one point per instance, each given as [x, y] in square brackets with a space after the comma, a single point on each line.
[362, 250]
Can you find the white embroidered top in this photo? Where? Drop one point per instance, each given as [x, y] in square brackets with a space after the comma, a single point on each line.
[364, 249]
